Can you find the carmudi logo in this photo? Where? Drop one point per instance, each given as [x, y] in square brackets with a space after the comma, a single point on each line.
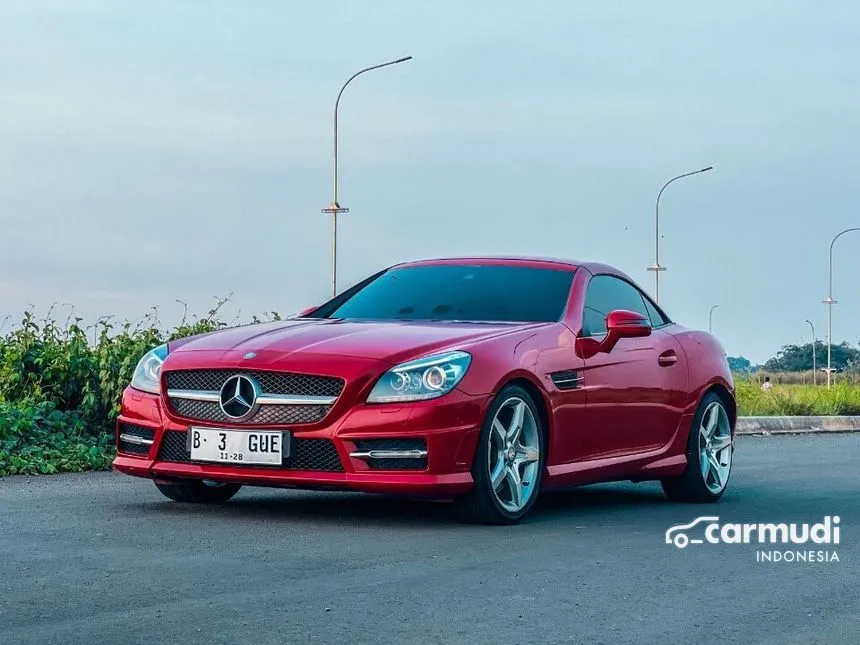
[824, 535]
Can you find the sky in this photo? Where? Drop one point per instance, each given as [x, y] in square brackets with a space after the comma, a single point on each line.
[163, 152]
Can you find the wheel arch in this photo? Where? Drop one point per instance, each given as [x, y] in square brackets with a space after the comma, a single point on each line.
[539, 397]
[726, 397]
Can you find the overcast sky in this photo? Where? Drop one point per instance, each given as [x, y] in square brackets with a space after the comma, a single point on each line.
[181, 150]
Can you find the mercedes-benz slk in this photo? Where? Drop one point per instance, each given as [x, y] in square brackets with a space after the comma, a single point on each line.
[481, 380]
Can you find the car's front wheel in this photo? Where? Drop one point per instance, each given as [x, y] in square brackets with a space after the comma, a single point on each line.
[709, 455]
[195, 491]
[508, 462]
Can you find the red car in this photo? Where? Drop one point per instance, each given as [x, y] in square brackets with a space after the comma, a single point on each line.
[479, 379]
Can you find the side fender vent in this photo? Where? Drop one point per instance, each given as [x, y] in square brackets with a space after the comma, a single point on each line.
[566, 379]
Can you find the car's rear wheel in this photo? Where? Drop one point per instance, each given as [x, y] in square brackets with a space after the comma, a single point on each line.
[508, 462]
[709, 455]
[195, 491]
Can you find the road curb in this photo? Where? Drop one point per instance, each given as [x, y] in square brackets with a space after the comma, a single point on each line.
[797, 425]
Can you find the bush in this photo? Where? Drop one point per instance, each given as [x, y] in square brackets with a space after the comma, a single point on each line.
[40, 439]
[61, 385]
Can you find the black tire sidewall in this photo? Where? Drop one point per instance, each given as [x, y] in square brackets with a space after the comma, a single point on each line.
[196, 492]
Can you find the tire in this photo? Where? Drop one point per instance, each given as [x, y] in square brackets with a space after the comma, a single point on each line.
[701, 481]
[487, 503]
[198, 492]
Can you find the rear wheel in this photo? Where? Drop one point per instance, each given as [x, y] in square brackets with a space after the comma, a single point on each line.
[508, 461]
[198, 492]
[709, 455]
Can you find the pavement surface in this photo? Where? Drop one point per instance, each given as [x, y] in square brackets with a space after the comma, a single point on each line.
[103, 558]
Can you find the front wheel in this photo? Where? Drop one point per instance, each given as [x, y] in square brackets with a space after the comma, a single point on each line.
[709, 455]
[198, 492]
[508, 461]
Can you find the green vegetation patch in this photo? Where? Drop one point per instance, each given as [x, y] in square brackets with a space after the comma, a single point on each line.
[61, 386]
[843, 398]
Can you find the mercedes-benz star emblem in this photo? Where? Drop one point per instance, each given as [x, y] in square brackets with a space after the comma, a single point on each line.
[238, 397]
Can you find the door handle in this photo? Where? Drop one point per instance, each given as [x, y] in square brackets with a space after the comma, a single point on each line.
[667, 358]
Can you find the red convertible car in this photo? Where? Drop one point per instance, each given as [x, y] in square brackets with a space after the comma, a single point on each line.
[483, 380]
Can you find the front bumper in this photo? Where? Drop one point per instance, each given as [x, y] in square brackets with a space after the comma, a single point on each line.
[449, 426]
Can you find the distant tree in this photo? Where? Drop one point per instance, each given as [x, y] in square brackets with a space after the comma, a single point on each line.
[798, 358]
[739, 364]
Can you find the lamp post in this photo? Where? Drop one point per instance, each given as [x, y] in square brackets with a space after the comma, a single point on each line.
[711, 319]
[814, 366]
[656, 268]
[335, 208]
[830, 301]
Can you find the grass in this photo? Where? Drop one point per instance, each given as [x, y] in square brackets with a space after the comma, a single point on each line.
[842, 398]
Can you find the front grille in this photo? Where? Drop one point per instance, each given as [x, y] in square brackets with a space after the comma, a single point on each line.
[267, 414]
[137, 431]
[305, 454]
[276, 383]
[284, 383]
[364, 445]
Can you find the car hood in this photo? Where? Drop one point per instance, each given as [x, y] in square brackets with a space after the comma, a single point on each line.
[390, 341]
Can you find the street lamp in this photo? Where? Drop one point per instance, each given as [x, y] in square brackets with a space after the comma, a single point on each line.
[335, 208]
[814, 367]
[656, 268]
[830, 301]
[711, 319]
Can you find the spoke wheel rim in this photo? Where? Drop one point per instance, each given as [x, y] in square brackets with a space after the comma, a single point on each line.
[513, 457]
[715, 447]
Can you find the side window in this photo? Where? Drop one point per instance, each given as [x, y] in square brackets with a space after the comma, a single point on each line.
[606, 293]
[658, 318]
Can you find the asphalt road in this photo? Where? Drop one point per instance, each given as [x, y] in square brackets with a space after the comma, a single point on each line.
[103, 558]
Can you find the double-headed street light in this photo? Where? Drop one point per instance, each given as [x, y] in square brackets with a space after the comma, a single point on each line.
[711, 319]
[656, 268]
[830, 301]
[335, 208]
[814, 366]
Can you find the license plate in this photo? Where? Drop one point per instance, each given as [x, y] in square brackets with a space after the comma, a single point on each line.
[263, 447]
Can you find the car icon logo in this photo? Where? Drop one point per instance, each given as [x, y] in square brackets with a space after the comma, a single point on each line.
[677, 534]
[250, 355]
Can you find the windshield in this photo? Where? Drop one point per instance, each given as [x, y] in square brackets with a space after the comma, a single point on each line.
[457, 292]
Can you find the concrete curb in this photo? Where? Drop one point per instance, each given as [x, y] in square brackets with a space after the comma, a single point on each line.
[796, 425]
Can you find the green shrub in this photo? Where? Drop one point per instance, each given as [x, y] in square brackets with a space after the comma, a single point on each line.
[61, 385]
[40, 439]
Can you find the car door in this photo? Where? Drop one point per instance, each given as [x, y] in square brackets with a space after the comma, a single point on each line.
[630, 391]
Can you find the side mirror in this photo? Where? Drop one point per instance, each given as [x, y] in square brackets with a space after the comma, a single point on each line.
[304, 312]
[620, 323]
[626, 324]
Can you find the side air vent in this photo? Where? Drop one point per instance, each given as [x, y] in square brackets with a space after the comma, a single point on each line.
[566, 379]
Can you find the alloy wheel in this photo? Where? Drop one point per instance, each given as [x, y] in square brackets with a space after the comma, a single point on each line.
[715, 447]
[514, 454]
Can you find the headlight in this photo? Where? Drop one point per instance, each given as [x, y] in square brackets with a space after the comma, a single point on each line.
[147, 374]
[425, 378]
